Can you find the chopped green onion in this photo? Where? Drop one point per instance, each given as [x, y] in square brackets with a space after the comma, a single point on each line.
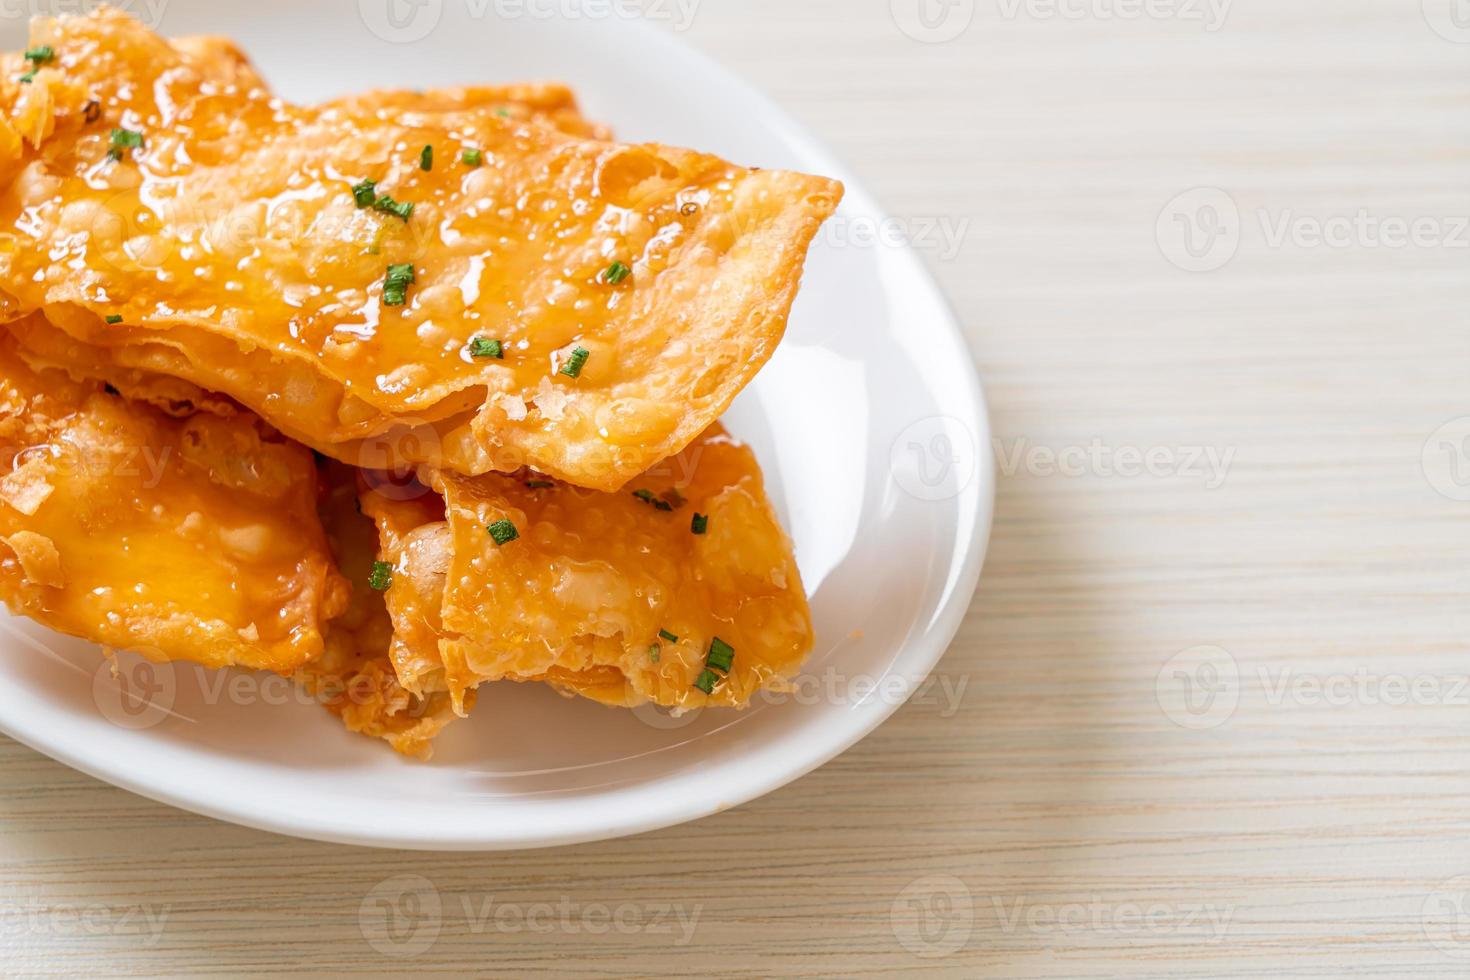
[41, 55]
[503, 532]
[648, 498]
[707, 680]
[573, 367]
[721, 655]
[616, 273]
[381, 576]
[472, 158]
[700, 524]
[539, 484]
[426, 158]
[28, 77]
[386, 203]
[365, 193]
[395, 285]
[124, 139]
[502, 111]
[113, 318]
[668, 636]
[653, 653]
[484, 347]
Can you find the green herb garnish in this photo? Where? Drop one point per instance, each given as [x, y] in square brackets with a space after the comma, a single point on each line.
[721, 655]
[387, 204]
[381, 576]
[668, 636]
[616, 273]
[700, 524]
[426, 158]
[653, 653]
[124, 139]
[472, 158]
[539, 484]
[40, 55]
[707, 680]
[365, 193]
[484, 347]
[113, 318]
[395, 285]
[573, 367]
[28, 77]
[503, 532]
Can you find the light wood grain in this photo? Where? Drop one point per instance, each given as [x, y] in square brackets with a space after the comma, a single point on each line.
[1324, 835]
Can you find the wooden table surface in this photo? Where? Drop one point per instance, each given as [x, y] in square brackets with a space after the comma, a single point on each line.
[1210, 711]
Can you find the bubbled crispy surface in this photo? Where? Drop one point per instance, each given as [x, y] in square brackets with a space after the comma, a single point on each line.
[355, 678]
[512, 250]
[580, 596]
[192, 539]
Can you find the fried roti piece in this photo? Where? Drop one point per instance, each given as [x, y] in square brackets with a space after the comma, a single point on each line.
[548, 103]
[355, 677]
[632, 290]
[620, 597]
[193, 539]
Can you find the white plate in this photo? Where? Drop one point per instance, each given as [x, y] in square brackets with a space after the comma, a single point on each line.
[869, 423]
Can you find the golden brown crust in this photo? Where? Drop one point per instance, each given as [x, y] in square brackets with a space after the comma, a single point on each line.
[259, 241]
[187, 539]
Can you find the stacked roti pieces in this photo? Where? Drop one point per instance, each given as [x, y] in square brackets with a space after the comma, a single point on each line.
[507, 338]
